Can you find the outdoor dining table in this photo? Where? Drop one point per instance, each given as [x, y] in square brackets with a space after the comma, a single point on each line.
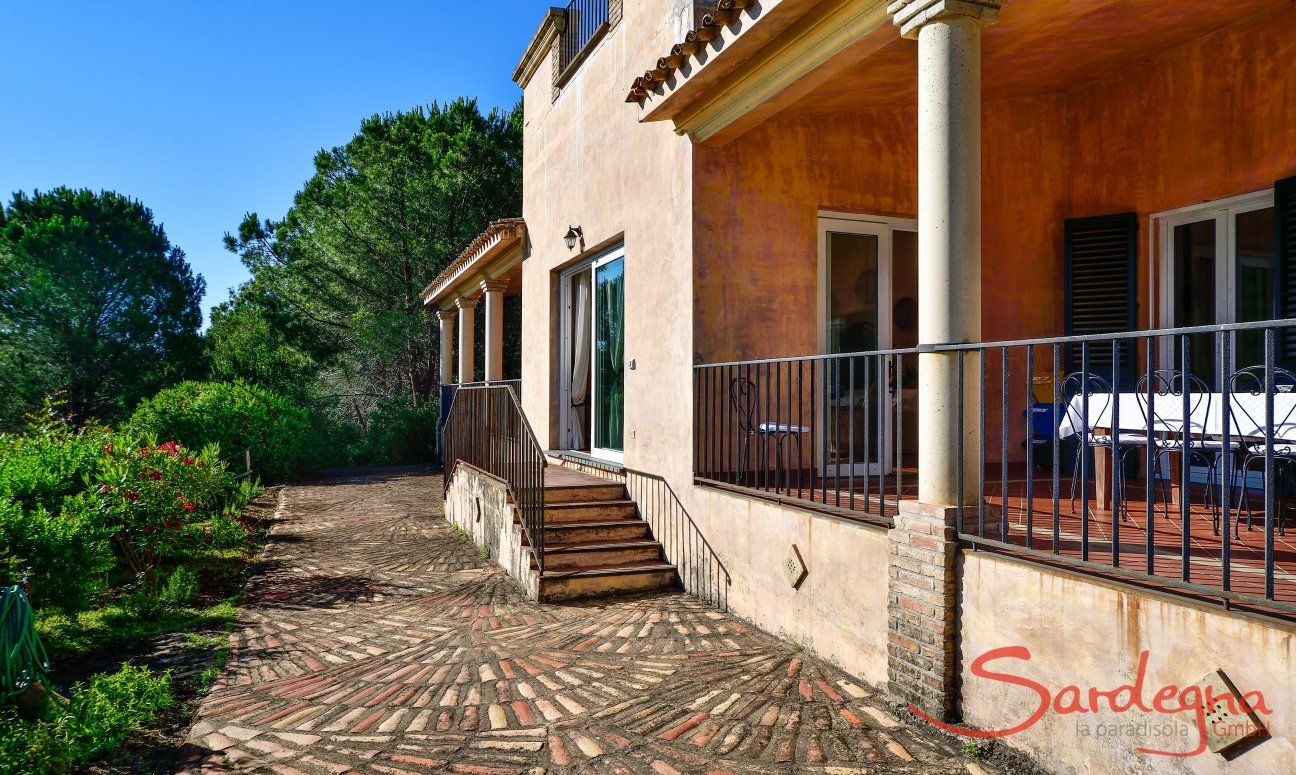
[1247, 420]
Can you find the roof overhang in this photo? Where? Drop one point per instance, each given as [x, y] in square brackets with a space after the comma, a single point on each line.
[492, 254]
[754, 62]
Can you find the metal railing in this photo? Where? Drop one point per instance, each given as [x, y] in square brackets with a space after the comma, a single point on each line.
[826, 431]
[585, 19]
[486, 428]
[447, 399]
[1162, 457]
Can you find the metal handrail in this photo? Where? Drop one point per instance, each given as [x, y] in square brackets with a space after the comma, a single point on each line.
[487, 429]
[827, 434]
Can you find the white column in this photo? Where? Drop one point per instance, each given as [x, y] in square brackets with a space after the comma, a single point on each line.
[466, 308]
[447, 316]
[949, 233]
[493, 290]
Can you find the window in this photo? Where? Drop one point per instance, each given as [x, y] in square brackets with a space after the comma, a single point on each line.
[1219, 265]
[586, 21]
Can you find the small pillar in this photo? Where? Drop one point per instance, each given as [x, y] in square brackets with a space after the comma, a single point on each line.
[466, 308]
[922, 657]
[493, 290]
[447, 317]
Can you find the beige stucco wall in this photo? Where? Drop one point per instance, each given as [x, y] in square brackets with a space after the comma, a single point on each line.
[589, 162]
[479, 504]
[1090, 634]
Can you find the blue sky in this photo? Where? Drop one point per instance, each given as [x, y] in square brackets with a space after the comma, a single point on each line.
[206, 110]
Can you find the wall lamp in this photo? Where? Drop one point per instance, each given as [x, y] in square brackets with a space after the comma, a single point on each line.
[573, 235]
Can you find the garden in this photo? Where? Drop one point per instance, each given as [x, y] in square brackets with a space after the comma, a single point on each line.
[121, 549]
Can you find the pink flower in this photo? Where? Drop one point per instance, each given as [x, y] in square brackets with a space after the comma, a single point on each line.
[131, 495]
[190, 506]
[104, 489]
[188, 460]
[106, 449]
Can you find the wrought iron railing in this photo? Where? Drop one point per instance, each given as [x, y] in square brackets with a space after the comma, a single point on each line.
[826, 432]
[486, 429]
[585, 19]
[1163, 457]
[447, 400]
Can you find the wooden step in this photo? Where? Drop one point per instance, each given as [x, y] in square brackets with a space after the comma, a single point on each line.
[600, 554]
[590, 511]
[589, 532]
[566, 493]
[594, 582]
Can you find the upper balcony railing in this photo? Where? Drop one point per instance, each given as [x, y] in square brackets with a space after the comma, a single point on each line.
[1164, 457]
[585, 20]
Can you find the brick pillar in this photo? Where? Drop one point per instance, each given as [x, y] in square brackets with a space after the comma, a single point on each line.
[922, 603]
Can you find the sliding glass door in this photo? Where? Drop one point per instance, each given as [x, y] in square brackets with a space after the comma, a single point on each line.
[609, 355]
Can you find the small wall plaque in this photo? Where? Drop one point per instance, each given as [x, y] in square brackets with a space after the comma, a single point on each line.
[794, 567]
[1228, 723]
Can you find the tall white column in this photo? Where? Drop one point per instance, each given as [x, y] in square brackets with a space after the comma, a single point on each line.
[466, 330]
[949, 233]
[493, 290]
[447, 316]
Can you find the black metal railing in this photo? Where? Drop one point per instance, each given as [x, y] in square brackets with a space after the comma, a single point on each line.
[1163, 457]
[585, 19]
[447, 400]
[830, 432]
[487, 429]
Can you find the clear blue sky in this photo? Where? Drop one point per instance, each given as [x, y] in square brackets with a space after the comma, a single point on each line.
[207, 110]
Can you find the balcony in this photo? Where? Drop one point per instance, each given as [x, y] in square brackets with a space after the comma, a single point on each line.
[1102, 453]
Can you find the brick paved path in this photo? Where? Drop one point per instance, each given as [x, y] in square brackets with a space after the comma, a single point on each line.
[376, 640]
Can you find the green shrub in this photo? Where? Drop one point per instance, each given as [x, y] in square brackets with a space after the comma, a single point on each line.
[48, 462]
[398, 433]
[181, 588]
[100, 715]
[66, 554]
[149, 494]
[284, 439]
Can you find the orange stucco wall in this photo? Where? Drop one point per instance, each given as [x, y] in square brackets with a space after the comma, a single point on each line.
[1210, 119]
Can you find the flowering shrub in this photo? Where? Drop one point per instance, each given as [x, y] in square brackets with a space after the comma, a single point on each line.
[150, 493]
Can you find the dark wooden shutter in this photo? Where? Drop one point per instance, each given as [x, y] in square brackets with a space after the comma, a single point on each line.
[1101, 296]
[1285, 252]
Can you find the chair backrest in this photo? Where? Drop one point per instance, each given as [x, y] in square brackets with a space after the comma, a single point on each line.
[1165, 412]
[1100, 397]
[743, 397]
[1248, 416]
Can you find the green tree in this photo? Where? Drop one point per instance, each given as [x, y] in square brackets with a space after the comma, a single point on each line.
[382, 216]
[257, 338]
[94, 302]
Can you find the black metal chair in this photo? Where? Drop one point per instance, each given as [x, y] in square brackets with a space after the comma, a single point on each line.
[1251, 381]
[744, 397]
[1099, 391]
[1168, 432]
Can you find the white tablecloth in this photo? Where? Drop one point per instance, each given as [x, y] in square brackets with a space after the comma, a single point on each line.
[1248, 414]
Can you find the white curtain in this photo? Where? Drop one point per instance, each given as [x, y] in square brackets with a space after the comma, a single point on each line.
[580, 368]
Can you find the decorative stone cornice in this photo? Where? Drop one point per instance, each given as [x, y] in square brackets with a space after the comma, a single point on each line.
[499, 242]
[495, 285]
[555, 21]
[910, 15]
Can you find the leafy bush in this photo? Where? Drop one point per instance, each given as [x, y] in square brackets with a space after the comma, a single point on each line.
[284, 439]
[100, 715]
[50, 461]
[66, 554]
[148, 494]
[181, 588]
[398, 433]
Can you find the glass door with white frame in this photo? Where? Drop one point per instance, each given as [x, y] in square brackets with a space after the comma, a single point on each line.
[1218, 266]
[864, 302]
[608, 388]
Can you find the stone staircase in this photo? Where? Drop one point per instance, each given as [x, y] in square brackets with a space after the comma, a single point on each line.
[595, 541]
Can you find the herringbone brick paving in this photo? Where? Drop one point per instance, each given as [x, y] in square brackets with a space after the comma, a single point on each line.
[375, 639]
